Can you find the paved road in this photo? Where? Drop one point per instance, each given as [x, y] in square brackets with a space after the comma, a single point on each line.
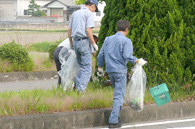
[23, 85]
[188, 123]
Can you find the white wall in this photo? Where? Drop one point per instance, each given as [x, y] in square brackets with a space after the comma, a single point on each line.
[101, 9]
[23, 5]
[57, 5]
[8, 9]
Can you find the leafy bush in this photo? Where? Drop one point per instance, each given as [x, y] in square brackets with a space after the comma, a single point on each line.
[161, 31]
[40, 47]
[17, 55]
[52, 48]
[42, 14]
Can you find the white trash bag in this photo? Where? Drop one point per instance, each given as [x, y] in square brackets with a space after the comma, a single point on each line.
[134, 95]
[69, 67]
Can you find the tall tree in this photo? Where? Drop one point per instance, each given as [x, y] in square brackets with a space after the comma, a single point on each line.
[33, 8]
[163, 31]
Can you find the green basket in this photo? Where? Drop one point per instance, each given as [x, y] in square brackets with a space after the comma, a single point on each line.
[160, 94]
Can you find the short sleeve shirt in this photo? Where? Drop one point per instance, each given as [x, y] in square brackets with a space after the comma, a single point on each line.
[80, 21]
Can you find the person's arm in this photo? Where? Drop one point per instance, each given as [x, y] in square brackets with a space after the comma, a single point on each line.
[100, 57]
[90, 35]
[128, 52]
[94, 55]
[69, 35]
[70, 38]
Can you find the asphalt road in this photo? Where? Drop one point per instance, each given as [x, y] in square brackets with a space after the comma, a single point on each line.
[23, 85]
[187, 123]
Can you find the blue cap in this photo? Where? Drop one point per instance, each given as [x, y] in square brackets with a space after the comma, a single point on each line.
[96, 4]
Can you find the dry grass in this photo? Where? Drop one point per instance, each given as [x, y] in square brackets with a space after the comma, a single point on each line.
[41, 61]
[51, 101]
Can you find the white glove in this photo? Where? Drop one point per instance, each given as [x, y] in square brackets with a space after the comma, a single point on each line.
[100, 72]
[141, 62]
[71, 46]
[95, 46]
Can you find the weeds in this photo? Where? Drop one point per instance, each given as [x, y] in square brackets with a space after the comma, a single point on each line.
[16, 103]
[55, 100]
[39, 47]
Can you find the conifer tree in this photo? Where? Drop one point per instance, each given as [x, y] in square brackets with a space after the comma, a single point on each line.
[163, 31]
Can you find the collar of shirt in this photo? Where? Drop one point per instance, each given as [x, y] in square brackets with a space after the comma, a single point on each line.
[85, 8]
[119, 33]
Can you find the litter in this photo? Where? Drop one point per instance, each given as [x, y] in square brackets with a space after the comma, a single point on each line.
[135, 90]
[69, 68]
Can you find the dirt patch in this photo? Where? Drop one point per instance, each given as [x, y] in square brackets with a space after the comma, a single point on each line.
[31, 37]
[25, 37]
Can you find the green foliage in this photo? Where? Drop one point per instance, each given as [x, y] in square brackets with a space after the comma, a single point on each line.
[161, 31]
[33, 9]
[40, 47]
[17, 55]
[78, 2]
[42, 14]
[52, 49]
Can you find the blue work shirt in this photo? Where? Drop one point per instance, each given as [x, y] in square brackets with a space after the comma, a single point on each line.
[116, 51]
[80, 21]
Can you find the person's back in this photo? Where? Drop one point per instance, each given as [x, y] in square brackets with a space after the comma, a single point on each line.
[115, 52]
[79, 21]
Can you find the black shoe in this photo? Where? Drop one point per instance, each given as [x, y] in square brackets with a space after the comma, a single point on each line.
[114, 125]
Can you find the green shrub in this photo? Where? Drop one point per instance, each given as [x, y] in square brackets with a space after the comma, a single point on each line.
[161, 31]
[40, 47]
[52, 48]
[17, 55]
[42, 14]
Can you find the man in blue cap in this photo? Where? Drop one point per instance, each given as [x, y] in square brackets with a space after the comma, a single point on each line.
[80, 30]
[116, 51]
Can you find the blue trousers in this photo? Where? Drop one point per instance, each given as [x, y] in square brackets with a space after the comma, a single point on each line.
[57, 62]
[84, 59]
[118, 81]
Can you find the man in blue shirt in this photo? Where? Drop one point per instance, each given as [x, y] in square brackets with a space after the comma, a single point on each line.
[116, 51]
[56, 56]
[80, 30]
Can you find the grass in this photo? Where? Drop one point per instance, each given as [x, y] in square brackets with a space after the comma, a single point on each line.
[41, 61]
[39, 101]
[39, 47]
[5, 66]
[55, 100]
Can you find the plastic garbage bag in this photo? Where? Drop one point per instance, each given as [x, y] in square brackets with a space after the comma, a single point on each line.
[69, 68]
[134, 95]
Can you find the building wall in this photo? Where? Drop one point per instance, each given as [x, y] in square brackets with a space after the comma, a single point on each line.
[98, 18]
[23, 5]
[8, 9]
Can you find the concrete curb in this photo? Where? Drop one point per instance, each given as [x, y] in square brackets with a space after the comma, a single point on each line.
[95, 118]
[26, 76]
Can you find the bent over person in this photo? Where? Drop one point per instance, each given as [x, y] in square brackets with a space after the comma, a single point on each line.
[115, 52]
[80, 30]
[66, 44]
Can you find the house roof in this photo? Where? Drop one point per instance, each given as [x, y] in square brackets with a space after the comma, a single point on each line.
[64, 2]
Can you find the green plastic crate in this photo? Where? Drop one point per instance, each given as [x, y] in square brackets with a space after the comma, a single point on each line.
[160, 94]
